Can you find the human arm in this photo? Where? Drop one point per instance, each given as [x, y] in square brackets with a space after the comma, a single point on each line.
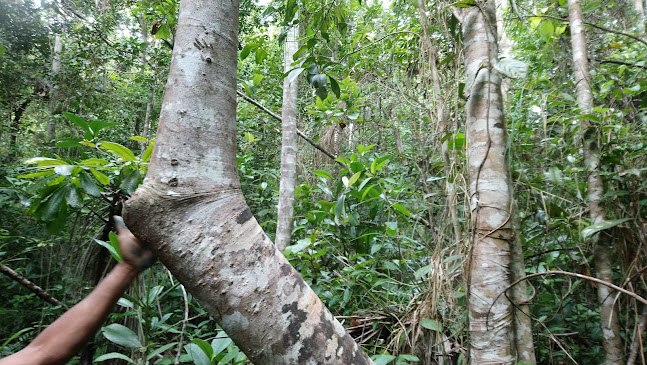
[65, 337]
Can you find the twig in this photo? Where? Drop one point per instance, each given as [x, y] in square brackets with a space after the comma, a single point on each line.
[566, 273]
[377, 41]
[29, 285]
[277, 117]
[623, 63]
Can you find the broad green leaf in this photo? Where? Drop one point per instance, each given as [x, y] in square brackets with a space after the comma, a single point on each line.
[159, 350]
[46, 161]
[101, 178]
[382, 359]
[94, 162]
[77, 120]
[247, 49]
[88, 184]
[408, 357]
[73, 197]
[340, 209]
[121, 335]
[322, 173]
[131, 182]
[464, 3]
[334, 86]
[391, 227]
[139, 138]
[354, 178]
[47, 172]
[114, 253]
[546, 30]
[219, 344]
[261, 54]
[146, 156]
[112, 356]
[401, 209]
[422, 272]
[431, 324]
[97, 125]
[320, 81]
[204, 346]
[591, 230]
[295, 73]
[163, 32]
[63, 170]
[69, 142]
[54, 204]
[197, 355]
[153, 294]
[512, 68]
[125, 153]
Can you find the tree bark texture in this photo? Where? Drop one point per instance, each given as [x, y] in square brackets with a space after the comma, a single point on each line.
[191, 212]
[491, 323]
[288, 145]
[613, 348]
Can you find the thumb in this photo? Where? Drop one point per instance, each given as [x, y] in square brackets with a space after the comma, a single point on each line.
[120, 225]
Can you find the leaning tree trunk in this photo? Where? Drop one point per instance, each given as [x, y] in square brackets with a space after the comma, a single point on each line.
[613, 349]
[288, 145]
[191, 211]
[491, 322]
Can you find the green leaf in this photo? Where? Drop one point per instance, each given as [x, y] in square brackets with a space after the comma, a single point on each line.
[46, 161]
[319, 81]
[88, 184]
[139, 138]
[382, 359]
[591, 230]
[77, 120]
[261, 54]
[125, 153]
[431, 324]
[401, 209]
[146, 156]
[114, 253]
[47, 172]
[94, 162]
[354, 178]
[334, 86]
[97, 125]
[73, 197]
[546, 30]
[322, 92]
[464, 3]
[247, 49]
[219, 344]
[294, 73]
[290, 10]
[159, 350]
[422, 272]
[63, 170]
[121, 335]
[391, 227]
[299, 246]
[512, 68]
[204, 346]
[68, 142]
[340, 209]
[197, 355]
[114, 355]
[101, 178]
[322, 173]
[131, 182]
[163, 32]
[54, 204]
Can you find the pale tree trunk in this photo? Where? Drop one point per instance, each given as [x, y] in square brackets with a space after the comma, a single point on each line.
[613, 348]
[288, 145]
[151, 89]
[53, 92]
[191, 212]
[491, 323]
[639, 7]
[519, 293]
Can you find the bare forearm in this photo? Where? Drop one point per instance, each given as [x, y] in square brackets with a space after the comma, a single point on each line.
[63, 338]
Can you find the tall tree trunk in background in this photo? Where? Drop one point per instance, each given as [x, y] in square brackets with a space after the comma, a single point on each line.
[53, 92]
[151, 89]
[190, 209]
[432, 51]
[519, 293]
[288, 144]
[613, 348]
[492, 208]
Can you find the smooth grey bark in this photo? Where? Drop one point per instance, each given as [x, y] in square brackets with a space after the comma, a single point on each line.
[491, 204]
[191, 212]
[612, 341]
[288, 145]
[53, 98]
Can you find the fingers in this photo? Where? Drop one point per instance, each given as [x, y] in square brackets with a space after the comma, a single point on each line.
[120, 225]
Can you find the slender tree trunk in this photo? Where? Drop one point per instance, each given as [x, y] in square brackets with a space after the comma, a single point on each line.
[612, 344]
[519, 293]
[432, 51]
[288, 145]
[191, 212]
[637, 343]
[53, 95]
[491, 323]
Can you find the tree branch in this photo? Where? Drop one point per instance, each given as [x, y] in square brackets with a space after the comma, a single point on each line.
[277, 117]
[29, 285]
